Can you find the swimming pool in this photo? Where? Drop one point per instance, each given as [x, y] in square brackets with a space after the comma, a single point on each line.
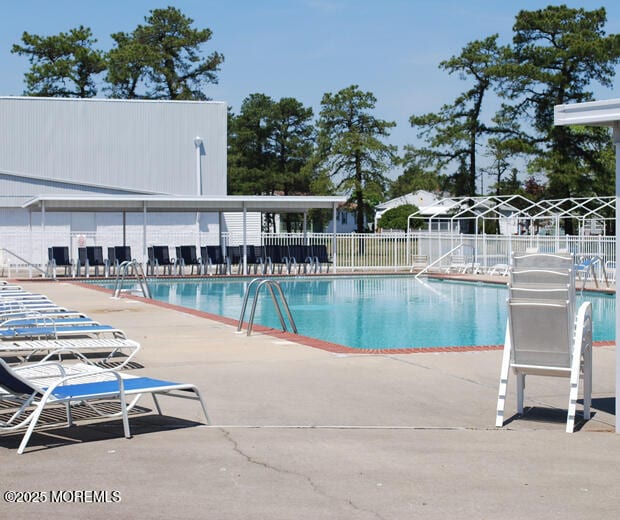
[376, 312]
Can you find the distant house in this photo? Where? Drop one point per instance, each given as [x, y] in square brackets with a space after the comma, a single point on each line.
[429, 204]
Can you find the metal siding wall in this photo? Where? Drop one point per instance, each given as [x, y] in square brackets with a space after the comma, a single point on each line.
[27, 188]
[146, 146]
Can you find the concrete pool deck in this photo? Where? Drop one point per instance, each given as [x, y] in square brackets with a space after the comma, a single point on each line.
[304, 433]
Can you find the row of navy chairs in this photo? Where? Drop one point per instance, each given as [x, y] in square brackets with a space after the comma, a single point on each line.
[88, 257]
[269, 259]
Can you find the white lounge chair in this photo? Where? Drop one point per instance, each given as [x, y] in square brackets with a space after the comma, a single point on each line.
[30, 389]
[458, 264]
[97, 351]
[499, 269]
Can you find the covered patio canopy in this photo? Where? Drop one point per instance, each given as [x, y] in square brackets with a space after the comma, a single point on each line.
[600, 113]
[157, 203]
[173, 204]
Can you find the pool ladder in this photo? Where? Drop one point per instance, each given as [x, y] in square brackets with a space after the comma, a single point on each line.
[273, 287]
[138, 272]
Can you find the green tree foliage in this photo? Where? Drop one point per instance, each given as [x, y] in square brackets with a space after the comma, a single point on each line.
[270, 146]
[62, 65]
[415, 177]
[557, 53]
[162, 59]
[453, 135]
[397, 218]
[351, 150]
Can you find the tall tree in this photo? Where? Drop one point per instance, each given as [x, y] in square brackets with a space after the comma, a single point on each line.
[62, 65]
[162, 59]
[351, 149]
[558, 52]
[270, 146]
[454, 134]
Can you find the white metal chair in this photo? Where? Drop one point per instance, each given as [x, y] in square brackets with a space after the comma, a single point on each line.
[544, 335]
[541, 339]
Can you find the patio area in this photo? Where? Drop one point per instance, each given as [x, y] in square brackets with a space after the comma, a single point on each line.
[304, 433]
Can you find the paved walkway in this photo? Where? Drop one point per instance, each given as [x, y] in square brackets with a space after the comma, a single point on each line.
[302, 433]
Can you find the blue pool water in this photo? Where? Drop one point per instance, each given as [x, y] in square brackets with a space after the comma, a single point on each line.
[370, 312]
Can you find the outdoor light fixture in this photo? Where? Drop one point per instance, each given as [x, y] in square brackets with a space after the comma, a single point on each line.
[198, 145]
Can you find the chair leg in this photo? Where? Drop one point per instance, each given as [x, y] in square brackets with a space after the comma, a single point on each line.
[33, 422]
[587, 383]
[125, 413]
[156, 401]
[520, 392]
[503, 382]
[69, 415]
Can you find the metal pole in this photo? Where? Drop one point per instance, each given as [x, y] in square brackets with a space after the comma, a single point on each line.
[245, 240]
[144, 231]
[334, 220]
[616, 138]
[198, 145]
[124, 228]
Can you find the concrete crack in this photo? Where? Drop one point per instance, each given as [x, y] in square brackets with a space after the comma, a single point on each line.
[315, 487]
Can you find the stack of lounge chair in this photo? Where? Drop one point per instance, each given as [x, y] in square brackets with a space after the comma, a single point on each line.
[546, 335]
[51, 356]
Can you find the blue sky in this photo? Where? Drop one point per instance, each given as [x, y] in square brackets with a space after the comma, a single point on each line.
[304, 48]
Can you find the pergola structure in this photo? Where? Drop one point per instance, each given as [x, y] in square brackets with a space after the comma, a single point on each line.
[494, 207]
[600, 113]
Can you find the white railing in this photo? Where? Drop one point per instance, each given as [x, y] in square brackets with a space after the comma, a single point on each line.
[389, 252]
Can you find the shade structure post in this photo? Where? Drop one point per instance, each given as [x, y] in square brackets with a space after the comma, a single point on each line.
[334, 248]
[616, 139]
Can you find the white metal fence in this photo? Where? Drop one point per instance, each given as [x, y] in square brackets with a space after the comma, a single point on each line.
[354, 252]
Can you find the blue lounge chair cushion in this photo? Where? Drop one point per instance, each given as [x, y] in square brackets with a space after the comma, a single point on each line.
[110, 387]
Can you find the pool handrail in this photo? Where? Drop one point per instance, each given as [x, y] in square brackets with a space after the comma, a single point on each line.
[270, 284]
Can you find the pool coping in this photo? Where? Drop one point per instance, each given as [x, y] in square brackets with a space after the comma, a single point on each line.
[328, 346]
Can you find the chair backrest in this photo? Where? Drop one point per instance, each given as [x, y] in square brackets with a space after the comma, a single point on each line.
[188, 254]
[540, 292]
[299, 252]
[94, 255]
[60, 254]
[540, 332]
[276, 252]
[12, 382]
[234, 253]
[82, 255]
[549, 261]
[111, 256]
[122, 253]
[250, 253]
[320, 251]
[541, 276]
[162, 255]
[213, 253]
